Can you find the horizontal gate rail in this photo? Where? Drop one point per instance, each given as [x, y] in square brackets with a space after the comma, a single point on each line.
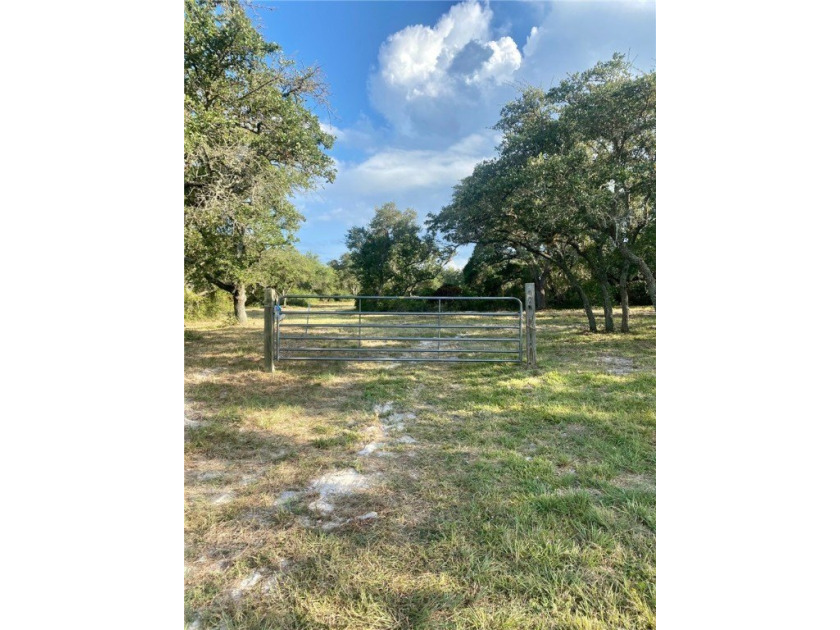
[401, 360]
[393, 349]
[458, 339]
[301, 333]
[418, 313]
[438, 327]
[401, 298]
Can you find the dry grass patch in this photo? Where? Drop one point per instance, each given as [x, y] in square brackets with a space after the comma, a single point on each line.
[521, 499]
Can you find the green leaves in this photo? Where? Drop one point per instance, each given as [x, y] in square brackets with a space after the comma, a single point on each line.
[575, 177]
[390, 256]
[249, 143]
[289, 271]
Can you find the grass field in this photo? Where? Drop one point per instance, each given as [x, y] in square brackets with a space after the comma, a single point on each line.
[383, 495]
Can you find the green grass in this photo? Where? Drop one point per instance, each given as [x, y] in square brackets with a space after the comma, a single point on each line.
[528, 500]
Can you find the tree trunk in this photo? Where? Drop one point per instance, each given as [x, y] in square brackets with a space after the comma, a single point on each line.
[593, 327]
[650, 281]
[609, 326]
[539, 290]
[587, 307]
[239, 298]
[625, 301]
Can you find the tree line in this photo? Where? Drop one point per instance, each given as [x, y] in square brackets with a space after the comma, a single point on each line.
[250, 142]
[569, 202]
[572, 192]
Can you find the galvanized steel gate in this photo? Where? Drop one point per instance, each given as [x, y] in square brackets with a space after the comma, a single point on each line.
[421, 329]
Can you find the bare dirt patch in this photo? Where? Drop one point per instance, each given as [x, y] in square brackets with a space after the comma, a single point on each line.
[286, 497]
[192, 415]
[205, 374]
[370, 448]
[617, 365]
[331, 487]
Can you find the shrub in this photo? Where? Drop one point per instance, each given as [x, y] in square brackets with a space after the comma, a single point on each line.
[211, 305]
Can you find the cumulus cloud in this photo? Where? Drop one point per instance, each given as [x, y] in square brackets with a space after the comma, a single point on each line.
[441, 87]
[572, 36]
[440, 79]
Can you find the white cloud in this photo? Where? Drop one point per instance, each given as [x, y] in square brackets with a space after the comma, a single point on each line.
[394, 171]
[573, 36]
[398, 170]
[441, 87]
[444, 80]
[533, 41]
[412, 178]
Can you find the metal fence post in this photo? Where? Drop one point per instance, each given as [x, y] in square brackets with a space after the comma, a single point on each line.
[530, 326]
[270, 297]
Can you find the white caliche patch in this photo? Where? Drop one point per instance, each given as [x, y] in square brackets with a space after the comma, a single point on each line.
[210, 475]
[396, 421]
[246, 584]
[401, 417]
[334, 524]
[286, 497]
[370, 448]
[191, 418]
[617, 365]
[271, 581]
[391, 420]
[222, 499]
[336, 484]
[368, 516]
[383, 409]
[321, 506]
[341, 482]
[247, 480]
[206, 374]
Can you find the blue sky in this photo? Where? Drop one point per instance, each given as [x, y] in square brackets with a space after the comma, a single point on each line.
[415, 87]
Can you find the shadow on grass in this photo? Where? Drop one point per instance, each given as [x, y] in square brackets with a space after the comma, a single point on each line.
[496, 521]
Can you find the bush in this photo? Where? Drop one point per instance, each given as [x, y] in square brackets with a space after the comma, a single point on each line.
[637, 293]
[211, 305]
[448, 290]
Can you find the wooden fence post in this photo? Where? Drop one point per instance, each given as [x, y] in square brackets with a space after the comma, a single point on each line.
[270, 297]
[530, 326]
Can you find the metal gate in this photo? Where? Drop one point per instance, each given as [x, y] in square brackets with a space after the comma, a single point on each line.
[420, 329]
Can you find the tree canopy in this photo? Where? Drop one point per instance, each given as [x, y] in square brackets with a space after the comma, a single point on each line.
[250, 141]
[390, 256]
[574, 183]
